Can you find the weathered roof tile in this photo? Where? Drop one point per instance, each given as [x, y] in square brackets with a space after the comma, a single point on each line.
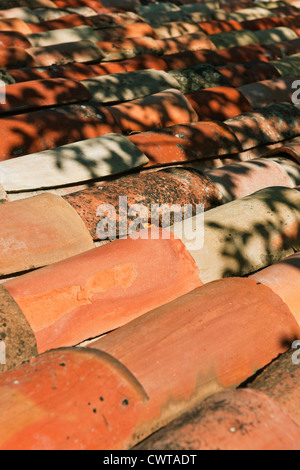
[159, 110]
[219, 103]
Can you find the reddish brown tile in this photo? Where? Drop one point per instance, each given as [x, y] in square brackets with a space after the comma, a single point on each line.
[14, 57]
[200, 325]
[263, 23]
[218, 103]
[160, 110]
[248, 72]
[215, 26]
[252, 52]
[21, 97]
[133, 30]
[14, 24]
[68, 21]
[13, 39]
[191, 58]
[201, 140]
[288, 147]
[280, 50]
[144, 61]
[106, 389]
[189, 42]
[268, 92]
[46, 129]
[74, 71]
[175, 29]
[122, 280]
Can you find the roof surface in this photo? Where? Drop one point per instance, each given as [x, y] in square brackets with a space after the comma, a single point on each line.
[150, 224]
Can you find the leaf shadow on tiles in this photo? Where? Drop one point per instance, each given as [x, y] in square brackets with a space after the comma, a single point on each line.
[236, 241]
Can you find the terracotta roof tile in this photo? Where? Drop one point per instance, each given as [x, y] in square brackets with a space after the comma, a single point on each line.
[14, 57]
[14, 24]
[201, 140]
[66, 21]
[176, 28]
[289, 147]
[128, 47]
[264, 23]
[81, 51]
[266, 125]
[248, 72]
[13, 38]
[252, 52]
[244, 178]
[119, 275]
[38, 231]
[266, 92]
[159, 110]
[246, 420]
[168, 186]
[47, 129]
[75, 71]
[280, 381]
[219, 103]
[215, 26]
[269, 36]
[190, 42]
[235, 244]
[283, 49]
[233, 39]
[71, 423]
[289, 66]
[60, 36]
[219, 366]
[21, 97]
[244, 14]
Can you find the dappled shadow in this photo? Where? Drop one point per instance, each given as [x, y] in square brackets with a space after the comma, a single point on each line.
[268, 92]
[80, 51]
[219, 103]
[121, 87]
[156, 111]
[272, 226]
[274, 123]
[182, 143]
[248, 72]
[71, 164]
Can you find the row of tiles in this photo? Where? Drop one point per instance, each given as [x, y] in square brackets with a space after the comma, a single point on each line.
[58, 47]
[134, 274]
[210, 143]
[221, 34]
[130, 47]
[211, 339]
